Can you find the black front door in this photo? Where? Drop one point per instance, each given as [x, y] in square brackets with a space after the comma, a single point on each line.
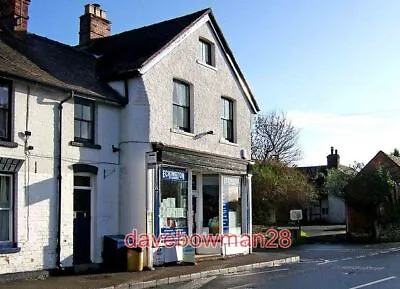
[81, 226]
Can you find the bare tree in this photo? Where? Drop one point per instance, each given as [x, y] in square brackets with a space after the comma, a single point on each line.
[274, 137]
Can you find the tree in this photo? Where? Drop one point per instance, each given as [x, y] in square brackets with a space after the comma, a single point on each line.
[280, 188]
[336, 181]
[369, 189]
[274, 137]
[395, 153]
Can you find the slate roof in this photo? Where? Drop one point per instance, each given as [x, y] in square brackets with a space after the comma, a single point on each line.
[85, 69]
[125, 53]
[38, 59]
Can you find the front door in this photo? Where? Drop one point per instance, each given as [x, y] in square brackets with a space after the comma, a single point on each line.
[82, 197]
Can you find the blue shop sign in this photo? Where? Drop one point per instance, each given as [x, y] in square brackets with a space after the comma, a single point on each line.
[169, 174]
[174, 231]
[225, 217]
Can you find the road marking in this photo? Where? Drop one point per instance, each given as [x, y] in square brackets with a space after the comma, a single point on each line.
[249, 285]
[361, 268]
[359, 257]
[255, 273]
[327, 262]
[195, 284]
[346, 259]
[374, 282]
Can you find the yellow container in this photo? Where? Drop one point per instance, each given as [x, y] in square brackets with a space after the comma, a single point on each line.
[134, 260]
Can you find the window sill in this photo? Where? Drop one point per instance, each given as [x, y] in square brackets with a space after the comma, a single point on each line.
[227, 142]
[8, 144]
[182, 132]
[206, 65]
[9, 250]
[85, 145]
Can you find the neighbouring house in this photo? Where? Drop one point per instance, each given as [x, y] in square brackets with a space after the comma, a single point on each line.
[359, 225]
[327, 208]
[148, 129]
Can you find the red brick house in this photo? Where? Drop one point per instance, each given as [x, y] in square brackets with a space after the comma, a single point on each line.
[359, 225]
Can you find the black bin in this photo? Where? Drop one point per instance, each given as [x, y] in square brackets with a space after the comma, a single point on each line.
[114, 253]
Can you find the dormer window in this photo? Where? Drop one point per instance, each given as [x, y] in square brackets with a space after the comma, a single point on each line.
[206, 52]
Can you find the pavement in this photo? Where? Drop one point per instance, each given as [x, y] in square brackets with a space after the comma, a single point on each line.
[322, 266]
[162, 275]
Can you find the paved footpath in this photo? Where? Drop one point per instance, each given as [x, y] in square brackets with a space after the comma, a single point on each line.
[161, 276]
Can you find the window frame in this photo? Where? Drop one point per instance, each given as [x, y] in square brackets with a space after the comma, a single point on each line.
[11, 210]
[206, 43]
[91, 104]
[188, 107]
[224, 119]
[8, 137]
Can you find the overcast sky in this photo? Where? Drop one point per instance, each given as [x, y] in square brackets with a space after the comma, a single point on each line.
[332, 66]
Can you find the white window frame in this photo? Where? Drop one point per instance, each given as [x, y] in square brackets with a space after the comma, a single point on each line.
[10, 209]
[202, 43]
[188, 106]
[223, 119]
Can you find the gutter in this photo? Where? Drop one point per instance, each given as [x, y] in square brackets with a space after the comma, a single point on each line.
[59, 180]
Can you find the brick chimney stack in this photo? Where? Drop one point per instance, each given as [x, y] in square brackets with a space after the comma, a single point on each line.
[14, 15]
[93, 24]
[333, 160]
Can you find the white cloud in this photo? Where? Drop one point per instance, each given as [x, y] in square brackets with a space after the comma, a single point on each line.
[357, 137]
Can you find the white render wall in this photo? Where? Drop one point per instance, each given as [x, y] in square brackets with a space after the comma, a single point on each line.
[148, 118]
[134, 145]
[36, 225]
[208, 86]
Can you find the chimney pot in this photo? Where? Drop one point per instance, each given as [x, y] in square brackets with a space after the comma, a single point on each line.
[331, 150]
[335, 152]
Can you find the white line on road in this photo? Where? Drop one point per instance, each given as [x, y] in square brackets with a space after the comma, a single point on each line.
[195, 284]
[328, 262]
[255, 273]
[241, 286]
[373, 282]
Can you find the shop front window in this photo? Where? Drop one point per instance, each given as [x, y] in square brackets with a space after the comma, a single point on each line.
[232, 205]
[211, 204]
[174, 200]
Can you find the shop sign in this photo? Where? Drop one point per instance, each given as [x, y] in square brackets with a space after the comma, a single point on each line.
[173, 175]
[225, 217]
[174, 231]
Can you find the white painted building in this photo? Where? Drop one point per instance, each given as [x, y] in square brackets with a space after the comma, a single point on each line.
[160, 144]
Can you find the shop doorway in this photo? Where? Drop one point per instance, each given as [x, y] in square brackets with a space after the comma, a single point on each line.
[210, 204]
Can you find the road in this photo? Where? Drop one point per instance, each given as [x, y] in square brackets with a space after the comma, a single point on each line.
[322, 267]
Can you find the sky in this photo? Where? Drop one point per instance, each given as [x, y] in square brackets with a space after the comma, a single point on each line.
[332, 66]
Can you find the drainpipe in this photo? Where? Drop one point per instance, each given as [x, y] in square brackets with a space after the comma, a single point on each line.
[59, 179]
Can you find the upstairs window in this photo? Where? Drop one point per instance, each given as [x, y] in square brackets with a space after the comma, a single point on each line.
[227, 119]
[206, 52]
[181, 106]
[5, 111]
[84, 121]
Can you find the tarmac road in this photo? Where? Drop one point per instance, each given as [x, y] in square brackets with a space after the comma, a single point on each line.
[340, 266]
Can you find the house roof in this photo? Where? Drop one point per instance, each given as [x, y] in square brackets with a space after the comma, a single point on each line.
[41, 60]
[387, 161]
[125, 54]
